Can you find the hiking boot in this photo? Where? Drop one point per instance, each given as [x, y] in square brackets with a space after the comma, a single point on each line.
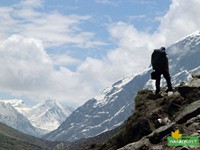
[157, 92]
[169, 90]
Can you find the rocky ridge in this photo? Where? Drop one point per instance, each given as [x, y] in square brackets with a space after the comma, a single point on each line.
[178, 111]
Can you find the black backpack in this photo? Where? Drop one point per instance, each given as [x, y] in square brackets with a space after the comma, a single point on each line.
[159, 60]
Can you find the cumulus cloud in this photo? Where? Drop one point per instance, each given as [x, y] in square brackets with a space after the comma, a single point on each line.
[181, 19]
[26, 68]
[24, 63]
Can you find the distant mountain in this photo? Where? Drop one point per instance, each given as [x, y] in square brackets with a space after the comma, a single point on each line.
[113, 106]
[11, 117]
[47, 115]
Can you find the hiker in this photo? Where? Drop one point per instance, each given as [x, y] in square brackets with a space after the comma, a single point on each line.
[159, 62]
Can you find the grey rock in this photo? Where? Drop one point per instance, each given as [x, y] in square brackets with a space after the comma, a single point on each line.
[185, 148]
[194, 134]
[142, 144]
[189, 112]
[159, 133]
[153, 138]
[195, 82]
[196, 75]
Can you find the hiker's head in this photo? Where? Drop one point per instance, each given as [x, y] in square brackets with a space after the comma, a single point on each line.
[162, 48]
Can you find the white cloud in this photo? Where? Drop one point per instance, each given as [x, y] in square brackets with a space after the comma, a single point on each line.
[24, 63]
[109, 2]
[181, 20]
[52, 28]
[64, 60]
[26, 69]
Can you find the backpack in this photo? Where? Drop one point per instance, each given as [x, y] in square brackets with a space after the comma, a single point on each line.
[159, 60]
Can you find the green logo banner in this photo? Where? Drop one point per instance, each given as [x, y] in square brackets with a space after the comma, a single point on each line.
[183, 141]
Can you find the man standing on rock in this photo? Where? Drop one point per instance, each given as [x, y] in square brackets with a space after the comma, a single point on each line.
[159, 62]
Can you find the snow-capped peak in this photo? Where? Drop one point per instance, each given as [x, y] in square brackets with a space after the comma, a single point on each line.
[188, 38]
[15, 102]
[196, 33]
[47, 115]
[13, 118]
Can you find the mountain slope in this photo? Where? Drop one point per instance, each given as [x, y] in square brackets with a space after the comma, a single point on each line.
[115, 104]
[102, 113]
[11, 117]
[12, 139]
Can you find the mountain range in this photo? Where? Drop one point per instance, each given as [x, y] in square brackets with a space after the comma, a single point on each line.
[115, 104]
[36, 120]
[11, 117]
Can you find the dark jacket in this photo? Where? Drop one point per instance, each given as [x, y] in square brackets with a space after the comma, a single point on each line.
[159, 61]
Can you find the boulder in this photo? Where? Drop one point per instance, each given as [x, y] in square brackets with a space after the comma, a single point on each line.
[188, 112]
[195, 82]
[156, 136]
[141, 144]
[196, 75]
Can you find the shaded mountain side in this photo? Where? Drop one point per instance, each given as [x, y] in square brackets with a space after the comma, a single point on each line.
[155, 117]
[8, 143]
[11, 139]
[88, 142]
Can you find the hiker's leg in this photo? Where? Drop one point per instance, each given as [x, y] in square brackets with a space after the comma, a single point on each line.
[168, 80]
[158, 77]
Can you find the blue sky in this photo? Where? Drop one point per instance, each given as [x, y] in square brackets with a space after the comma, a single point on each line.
[70, 50]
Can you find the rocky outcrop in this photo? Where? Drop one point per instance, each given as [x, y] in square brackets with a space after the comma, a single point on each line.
[189, 120]
[144, 143]
[189, 112]
[163, 114]
[196, 75]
